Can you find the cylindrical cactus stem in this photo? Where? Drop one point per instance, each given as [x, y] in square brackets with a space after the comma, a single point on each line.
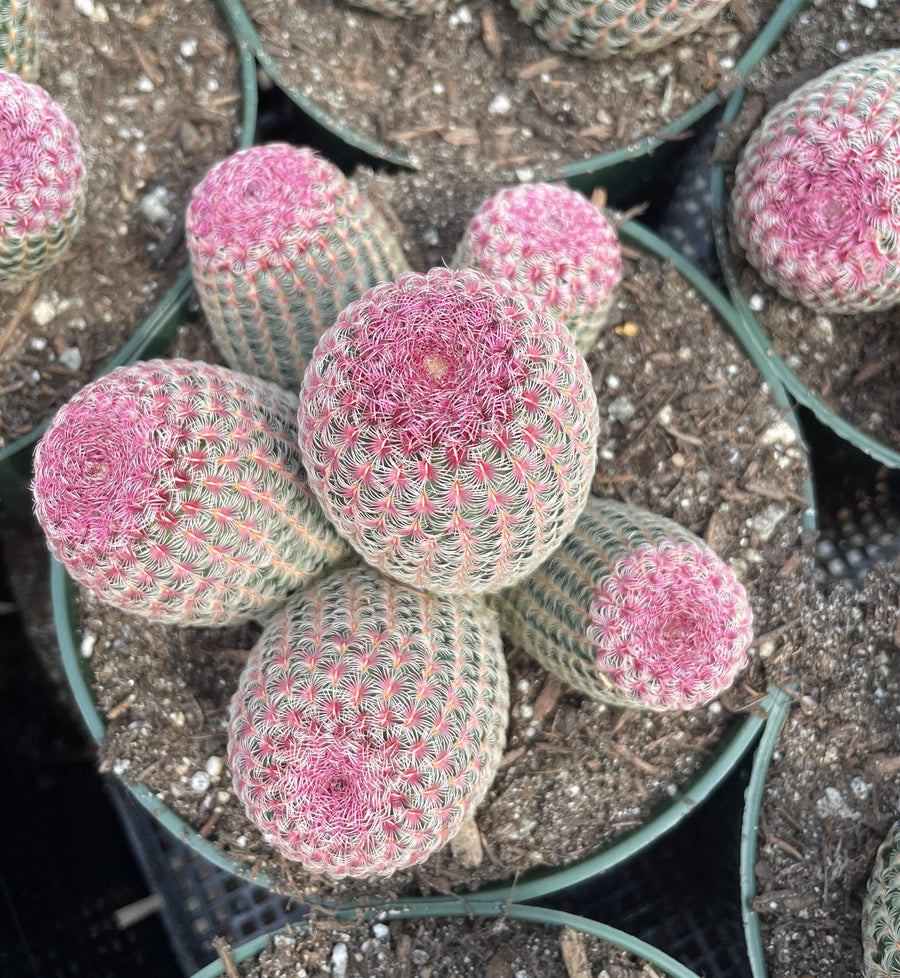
[881, 911]
[41, 181]
[174, 489]
[368, 723]
[816, 199]
[448, 426]
[280, 241]
[602, 28]
[633, 609]
[548, 240]
[19, 46]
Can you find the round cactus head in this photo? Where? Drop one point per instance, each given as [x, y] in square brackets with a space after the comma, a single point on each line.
[816, 199]
[633, 609]
[881, 911]
[449, 427]
[174, 490]
[41, 181]
[554, 243]
[279, 242]
[369, 722]
[602, 28]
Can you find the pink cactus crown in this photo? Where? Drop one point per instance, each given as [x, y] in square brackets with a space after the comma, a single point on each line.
[257, 203]
[41, 166]
[671, 624]
[817, 193]
[436, 359]
[549, 237]
[110, 465]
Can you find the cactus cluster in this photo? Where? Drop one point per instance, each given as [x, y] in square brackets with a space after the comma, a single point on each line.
[550, 241]
[816, 198]
[603, 28]
[881, 911]
[41, 181]
[174, 489]
[449, 428]
[368, 723]
[633, 609]
[280, 241]
[19, 44]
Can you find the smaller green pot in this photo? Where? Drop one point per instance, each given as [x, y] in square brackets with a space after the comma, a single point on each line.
[780, 702]
[754, 338]
[661, 962]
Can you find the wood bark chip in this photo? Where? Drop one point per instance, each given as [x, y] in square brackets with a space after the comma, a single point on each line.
[571, 945]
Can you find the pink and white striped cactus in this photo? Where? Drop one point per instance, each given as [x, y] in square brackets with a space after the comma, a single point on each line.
[368, 723]
[279, 242]
[633, 609]
[548, 240]
[816, 199]
[448, 425]
[42, 181]
[174, 489]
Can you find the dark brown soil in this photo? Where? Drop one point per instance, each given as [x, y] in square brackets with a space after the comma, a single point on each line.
[452, 948]
[154, 90]
[474, 85]
[850, 362]
[688, 429]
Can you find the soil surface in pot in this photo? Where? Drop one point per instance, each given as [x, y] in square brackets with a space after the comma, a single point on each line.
[442, 948]
[689, 430]
[850, 362]
[154, 92]
[832, 791]
[475, 85]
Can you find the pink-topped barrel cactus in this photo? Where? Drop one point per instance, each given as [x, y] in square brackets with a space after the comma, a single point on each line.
[174, 489]
[448, 426]
[603, 28]
[548, 240]
[279, 242]
[42, 181]
[816, 198]
[368, 723]
[633, 609]
[19, 44]
[881, 911]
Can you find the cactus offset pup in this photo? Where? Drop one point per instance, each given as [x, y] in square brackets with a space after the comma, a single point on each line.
[41, 182]
[633, 609]
[881, 911]
[19, 46]
[448, 426]
[174, 489]
[368, 723]
[552, 242]
[280, 241]
[603, 28]
[816, 199]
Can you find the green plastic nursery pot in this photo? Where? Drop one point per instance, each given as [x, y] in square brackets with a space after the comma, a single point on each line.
[732, 746]
[152, 336]
[647, 954]
[622, 169]
[780, 702]
[754, 338]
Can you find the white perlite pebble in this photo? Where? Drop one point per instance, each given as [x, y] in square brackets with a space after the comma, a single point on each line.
[71, 358]
[200, 782]
[96, 11]
[500, 105]
[87, 645]
[214, 766]
[43, 312]
[756, 302]
[155, 206]
[779, 433]
[868, 4]
[339, 960]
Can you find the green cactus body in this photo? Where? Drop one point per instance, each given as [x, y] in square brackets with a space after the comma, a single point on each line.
[881, 911]
[19, 22]
[448, 426]
[634, 610]
[552, 242]
[602, 28]
[174, 489]
[42, 188]
[280, 241]
[368, 723]
[816, 199]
